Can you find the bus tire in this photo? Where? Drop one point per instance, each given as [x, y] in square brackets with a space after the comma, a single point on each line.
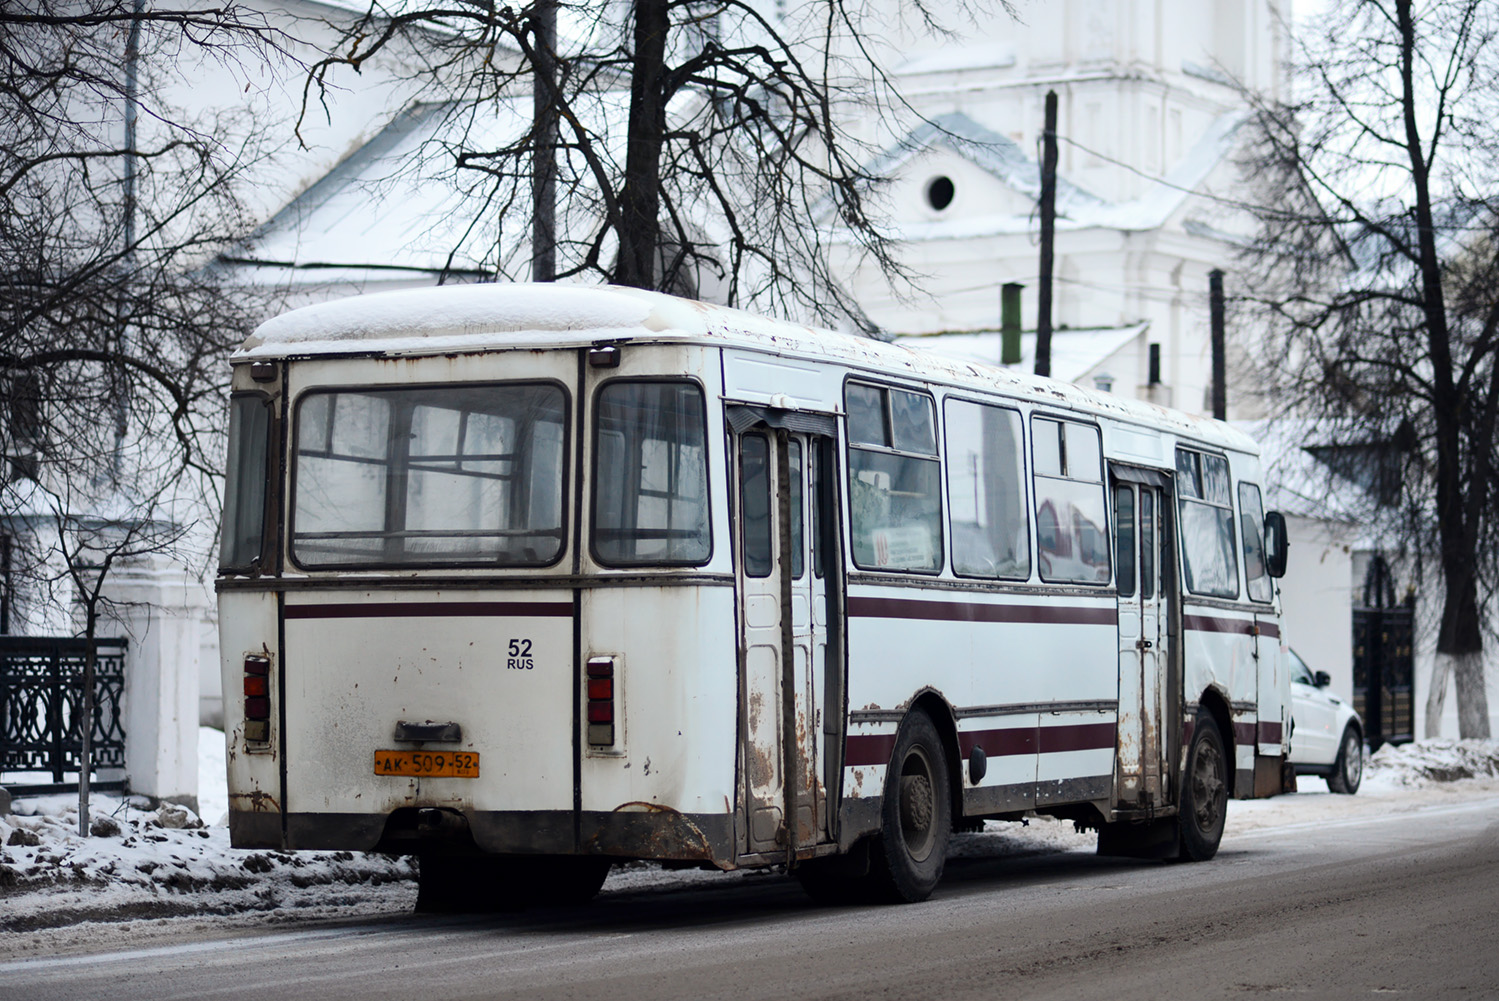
[1204, 799]
[839, 879]
[465, 884]
[911, 849]
[453, 884]
[571, 880]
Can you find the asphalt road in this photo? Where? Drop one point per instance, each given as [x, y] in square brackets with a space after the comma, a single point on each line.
[1400, 905]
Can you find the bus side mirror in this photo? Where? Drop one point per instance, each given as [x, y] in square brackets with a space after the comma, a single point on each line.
[1275, 543]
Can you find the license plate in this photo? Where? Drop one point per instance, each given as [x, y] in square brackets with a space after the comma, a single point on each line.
[428, 764]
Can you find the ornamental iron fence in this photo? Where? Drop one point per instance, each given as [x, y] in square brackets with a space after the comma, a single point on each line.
[41, 689]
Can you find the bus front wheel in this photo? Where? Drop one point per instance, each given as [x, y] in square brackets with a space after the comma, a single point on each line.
[1204, 800]
[911, 848]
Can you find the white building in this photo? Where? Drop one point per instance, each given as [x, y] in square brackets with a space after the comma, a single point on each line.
[1148, 186]
[1148, 113]
[1146, 122]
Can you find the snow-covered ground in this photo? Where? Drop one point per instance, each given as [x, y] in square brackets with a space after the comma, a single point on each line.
[143, 873]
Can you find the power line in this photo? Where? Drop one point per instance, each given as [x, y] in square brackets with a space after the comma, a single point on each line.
[1235, 202]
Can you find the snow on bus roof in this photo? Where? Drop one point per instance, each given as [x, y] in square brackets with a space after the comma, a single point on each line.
[469, 318]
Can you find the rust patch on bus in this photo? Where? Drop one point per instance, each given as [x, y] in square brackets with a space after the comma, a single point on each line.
[258, 801]
[668, 833]
[761, 768]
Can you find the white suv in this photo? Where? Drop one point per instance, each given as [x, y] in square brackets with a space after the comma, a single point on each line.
[1327, 736]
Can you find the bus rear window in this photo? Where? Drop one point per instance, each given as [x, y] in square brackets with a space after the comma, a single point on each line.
[431, 475]
[650, 482]
[242, 534]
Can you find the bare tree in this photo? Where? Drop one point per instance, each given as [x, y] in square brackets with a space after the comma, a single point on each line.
[701, 145]
[113, 322]
[1374, 280]
[89, 548]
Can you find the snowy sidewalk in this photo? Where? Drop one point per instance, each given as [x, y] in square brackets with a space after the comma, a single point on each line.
[153, 864]
[142, 863]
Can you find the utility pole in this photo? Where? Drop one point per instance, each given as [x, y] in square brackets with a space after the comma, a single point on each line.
[1048, 228]
[1215, 307]
[544, 156]
[127, 256]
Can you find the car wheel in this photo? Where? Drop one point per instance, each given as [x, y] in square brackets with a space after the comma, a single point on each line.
[1348, 771]
[1204, 799]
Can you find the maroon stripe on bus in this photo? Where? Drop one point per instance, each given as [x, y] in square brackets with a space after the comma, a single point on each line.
[1077, 737]
[999, 743]
[875, 749]
[1269, 733]
[1213, 624]
[868, 749]
[1244, 733]
[432, 609]
[967, 611]
[1270, 629]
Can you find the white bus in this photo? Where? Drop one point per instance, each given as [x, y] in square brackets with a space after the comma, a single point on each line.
[529, 579]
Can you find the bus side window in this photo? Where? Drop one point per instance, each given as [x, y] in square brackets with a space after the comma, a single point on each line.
[893, 479]
[798, 536]
[650, 484]
[1124, 535]
[1207, 524]
[1147, 544]
[986, 491]
[1071, 523]
[754, 504]
[1251, 527]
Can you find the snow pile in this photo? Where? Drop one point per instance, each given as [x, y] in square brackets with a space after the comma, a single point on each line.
[213, 777]
[1433, 760]
[139, 860]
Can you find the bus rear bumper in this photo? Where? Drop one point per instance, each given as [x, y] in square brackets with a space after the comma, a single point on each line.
[636, 830]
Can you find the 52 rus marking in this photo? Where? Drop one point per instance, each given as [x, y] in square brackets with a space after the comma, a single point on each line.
[520, 658]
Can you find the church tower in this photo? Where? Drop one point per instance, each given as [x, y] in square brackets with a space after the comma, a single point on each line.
[1148, 109]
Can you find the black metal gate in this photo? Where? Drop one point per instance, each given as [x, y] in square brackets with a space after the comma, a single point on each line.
[1384, 661]
[40, 709]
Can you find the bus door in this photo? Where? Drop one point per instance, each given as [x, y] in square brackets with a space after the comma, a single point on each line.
[791, 704]
[1143, 658]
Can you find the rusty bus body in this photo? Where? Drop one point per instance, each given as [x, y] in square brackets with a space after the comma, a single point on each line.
[560, 574]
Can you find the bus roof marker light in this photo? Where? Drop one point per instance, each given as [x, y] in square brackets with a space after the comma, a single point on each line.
[603, 356]
[263, 371]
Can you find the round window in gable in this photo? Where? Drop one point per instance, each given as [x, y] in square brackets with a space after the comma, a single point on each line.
[939, 192]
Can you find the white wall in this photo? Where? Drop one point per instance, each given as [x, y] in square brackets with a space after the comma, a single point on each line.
[1316, 598]
[157, 608]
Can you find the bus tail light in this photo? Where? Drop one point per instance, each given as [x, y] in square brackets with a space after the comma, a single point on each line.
[600, 690]
[257, 699]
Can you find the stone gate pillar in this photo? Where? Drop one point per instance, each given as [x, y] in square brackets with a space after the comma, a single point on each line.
[158, 608]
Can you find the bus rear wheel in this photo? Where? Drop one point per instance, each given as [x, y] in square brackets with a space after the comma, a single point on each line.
[911, 849]
[1204, 799]
[466, 884]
